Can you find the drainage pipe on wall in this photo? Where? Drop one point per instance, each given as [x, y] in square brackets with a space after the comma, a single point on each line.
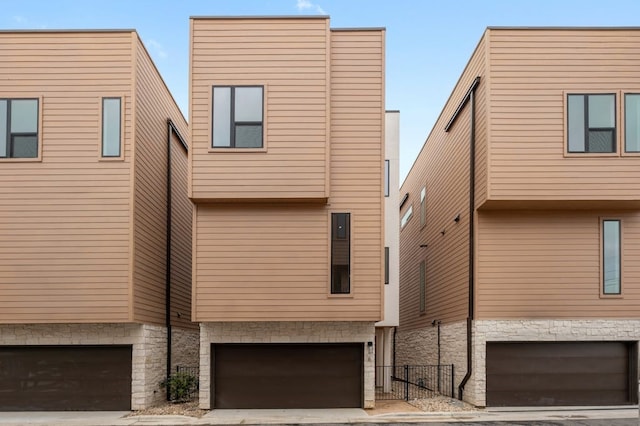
[469, 98]
[171, 129]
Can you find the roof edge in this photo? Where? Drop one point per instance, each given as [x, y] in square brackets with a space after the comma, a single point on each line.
[360, 29]
[105, 30]
[560, 28]
[261, 17]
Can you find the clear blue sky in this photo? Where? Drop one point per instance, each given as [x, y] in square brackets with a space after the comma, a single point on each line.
[428, 41]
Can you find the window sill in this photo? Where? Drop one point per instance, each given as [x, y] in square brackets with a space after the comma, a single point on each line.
[21, 160]
[591, 154]
[611, 296]
[340, 296]
[236, 150]
[110, 159]
[630, 154]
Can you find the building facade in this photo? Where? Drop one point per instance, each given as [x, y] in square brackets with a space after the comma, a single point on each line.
[520, 223]
[286, 173]
[91, 150]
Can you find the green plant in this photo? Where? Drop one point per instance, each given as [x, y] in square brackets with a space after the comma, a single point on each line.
[180, 386]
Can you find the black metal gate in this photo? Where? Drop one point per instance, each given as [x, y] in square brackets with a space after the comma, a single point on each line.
[414, 381]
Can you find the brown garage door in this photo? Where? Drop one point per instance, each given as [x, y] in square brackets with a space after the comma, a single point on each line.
[287, 375]
[560, 373]
[56, 378]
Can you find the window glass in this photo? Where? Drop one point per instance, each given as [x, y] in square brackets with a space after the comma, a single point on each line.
[601, 141]
[423, 206]
[405, 218]
[632, 122]
[248, 136]
[340, 253]
[3, 128]
[423, 286]
[386, 265]
[601, 111]
[24, 116]
[111, 129]
[24, 146]
[248, 104]
[386, 178]
[222, 116]
[576, 123]
[611, 256]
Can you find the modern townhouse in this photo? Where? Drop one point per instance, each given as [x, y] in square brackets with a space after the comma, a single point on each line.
[521, 223]
[95, 223]
[286, 173]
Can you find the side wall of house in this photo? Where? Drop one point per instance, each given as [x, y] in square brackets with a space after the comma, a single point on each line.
[65, 219]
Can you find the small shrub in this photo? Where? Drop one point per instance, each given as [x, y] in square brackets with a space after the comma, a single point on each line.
[180, 386]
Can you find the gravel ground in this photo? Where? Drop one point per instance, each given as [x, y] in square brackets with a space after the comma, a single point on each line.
[441, 404]
[175, 409]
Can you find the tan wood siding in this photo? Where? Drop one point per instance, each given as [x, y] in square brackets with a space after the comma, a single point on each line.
[270, 262]
[64, 221]
[443, 168]
[531, 71]
[289, 58]
[154, 106]
[547, 265]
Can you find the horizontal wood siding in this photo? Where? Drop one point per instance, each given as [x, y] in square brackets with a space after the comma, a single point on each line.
[547, 265]
[289, 58]
[270, 262]
[154, 107]
[531, 71]
[443, 168]
[64, 221]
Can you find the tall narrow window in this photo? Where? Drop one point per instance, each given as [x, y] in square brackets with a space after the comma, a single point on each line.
[386, 265]
[591, 123]
[632, 122]
[18, 128]
[611, 258]
[340, 253]
[423, 286]
[111, 127]
[423, 206]
[237, 117]
[386, 178]
[406, 217]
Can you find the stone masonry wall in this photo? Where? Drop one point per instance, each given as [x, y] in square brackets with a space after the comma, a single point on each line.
[420, 347]
[148, 349]
[185, 347]
[285, 332]
[539, 330]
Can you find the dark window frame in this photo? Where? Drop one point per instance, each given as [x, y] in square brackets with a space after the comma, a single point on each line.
[119, 98]
[387, 177]
[386, 265]
[11, 135]
[423, 286]
[587, 129]
[604, 257]
[232, 122]
[337, 286]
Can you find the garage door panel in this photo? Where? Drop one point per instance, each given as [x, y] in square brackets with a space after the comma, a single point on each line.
[38, 378]
[287, 375]
[558, 373]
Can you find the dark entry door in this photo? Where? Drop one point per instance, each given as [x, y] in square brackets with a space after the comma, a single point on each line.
[560, 373]
[287, 375]
[58, 378]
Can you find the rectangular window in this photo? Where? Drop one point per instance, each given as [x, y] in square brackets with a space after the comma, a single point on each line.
[19, 128]
[340, 253]
[237, 117]
[591, 123]
[386, 265]
[632, 122]
[386, 178]
[423, 286]
[611, 257]
[406, 217]
[423, 207]
[111, 126]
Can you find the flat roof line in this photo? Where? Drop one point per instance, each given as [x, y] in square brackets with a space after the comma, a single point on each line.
[262, 17]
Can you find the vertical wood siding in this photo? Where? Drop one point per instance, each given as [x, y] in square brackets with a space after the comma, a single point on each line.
[443, 168]
[154, 106]
[64, 221]
[547, 265]
[530, 72]
[288, 57]
[270, 262]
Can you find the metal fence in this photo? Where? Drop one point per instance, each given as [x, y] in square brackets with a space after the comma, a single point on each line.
[414, 381]
[183, 384]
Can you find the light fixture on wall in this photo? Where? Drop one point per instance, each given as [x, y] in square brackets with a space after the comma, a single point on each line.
[457, 218]
[424, 245]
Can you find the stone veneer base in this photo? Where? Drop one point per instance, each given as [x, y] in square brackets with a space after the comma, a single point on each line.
[285, 332]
